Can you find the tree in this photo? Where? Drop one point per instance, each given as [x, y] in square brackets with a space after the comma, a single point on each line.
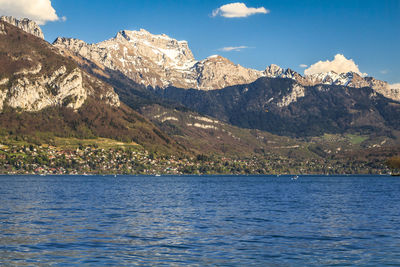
[394, 163]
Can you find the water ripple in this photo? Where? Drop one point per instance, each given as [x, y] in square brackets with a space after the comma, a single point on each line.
[192, 221]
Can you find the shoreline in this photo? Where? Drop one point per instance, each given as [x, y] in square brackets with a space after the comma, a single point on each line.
[210, 175]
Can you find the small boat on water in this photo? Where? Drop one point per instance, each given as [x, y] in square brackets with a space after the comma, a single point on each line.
[295, 177]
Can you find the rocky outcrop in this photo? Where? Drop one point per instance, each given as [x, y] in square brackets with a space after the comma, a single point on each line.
[273, 71]
[160, 61]
[31, 93]
[2, 30]
[297, 91]
[33, 76]
[3, 95]
[384, 88]
[100, 90]
[217, 72]
[24, 24]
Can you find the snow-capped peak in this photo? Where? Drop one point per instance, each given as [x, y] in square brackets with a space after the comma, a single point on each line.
[160, 49]
[273, 71]
[332, 77]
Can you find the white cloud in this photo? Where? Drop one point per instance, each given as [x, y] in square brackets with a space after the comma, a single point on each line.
[303, 66]
[40, 11]
[233, 48]
[394, 86]
[340, 64]
[384, 71]
[238, 10]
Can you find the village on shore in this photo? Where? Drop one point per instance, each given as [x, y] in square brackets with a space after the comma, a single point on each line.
[47, 159]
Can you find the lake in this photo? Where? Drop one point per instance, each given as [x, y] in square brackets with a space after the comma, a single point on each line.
[200, 220]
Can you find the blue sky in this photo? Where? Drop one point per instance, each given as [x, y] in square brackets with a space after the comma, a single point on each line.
[290, 34]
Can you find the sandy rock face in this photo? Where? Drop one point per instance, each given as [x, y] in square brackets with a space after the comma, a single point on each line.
[24, 24]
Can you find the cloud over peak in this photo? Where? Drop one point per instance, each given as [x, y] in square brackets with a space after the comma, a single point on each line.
[40, 11]
[233, 48]
[340, 64]
[238, 10]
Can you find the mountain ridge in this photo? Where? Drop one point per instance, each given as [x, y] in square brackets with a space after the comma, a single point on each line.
[160, 61]
[25, 24]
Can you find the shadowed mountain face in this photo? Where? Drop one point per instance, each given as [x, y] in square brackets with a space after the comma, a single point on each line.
[284, 107]
[206, 135]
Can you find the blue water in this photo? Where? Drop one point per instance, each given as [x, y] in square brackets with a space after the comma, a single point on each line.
[220, 220]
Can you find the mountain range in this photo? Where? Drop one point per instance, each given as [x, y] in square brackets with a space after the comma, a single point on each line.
[149, 89]
[159, 61]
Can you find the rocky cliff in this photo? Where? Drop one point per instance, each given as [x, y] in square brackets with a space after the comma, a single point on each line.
[31, 90]
[34, 76]
[24, 24]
